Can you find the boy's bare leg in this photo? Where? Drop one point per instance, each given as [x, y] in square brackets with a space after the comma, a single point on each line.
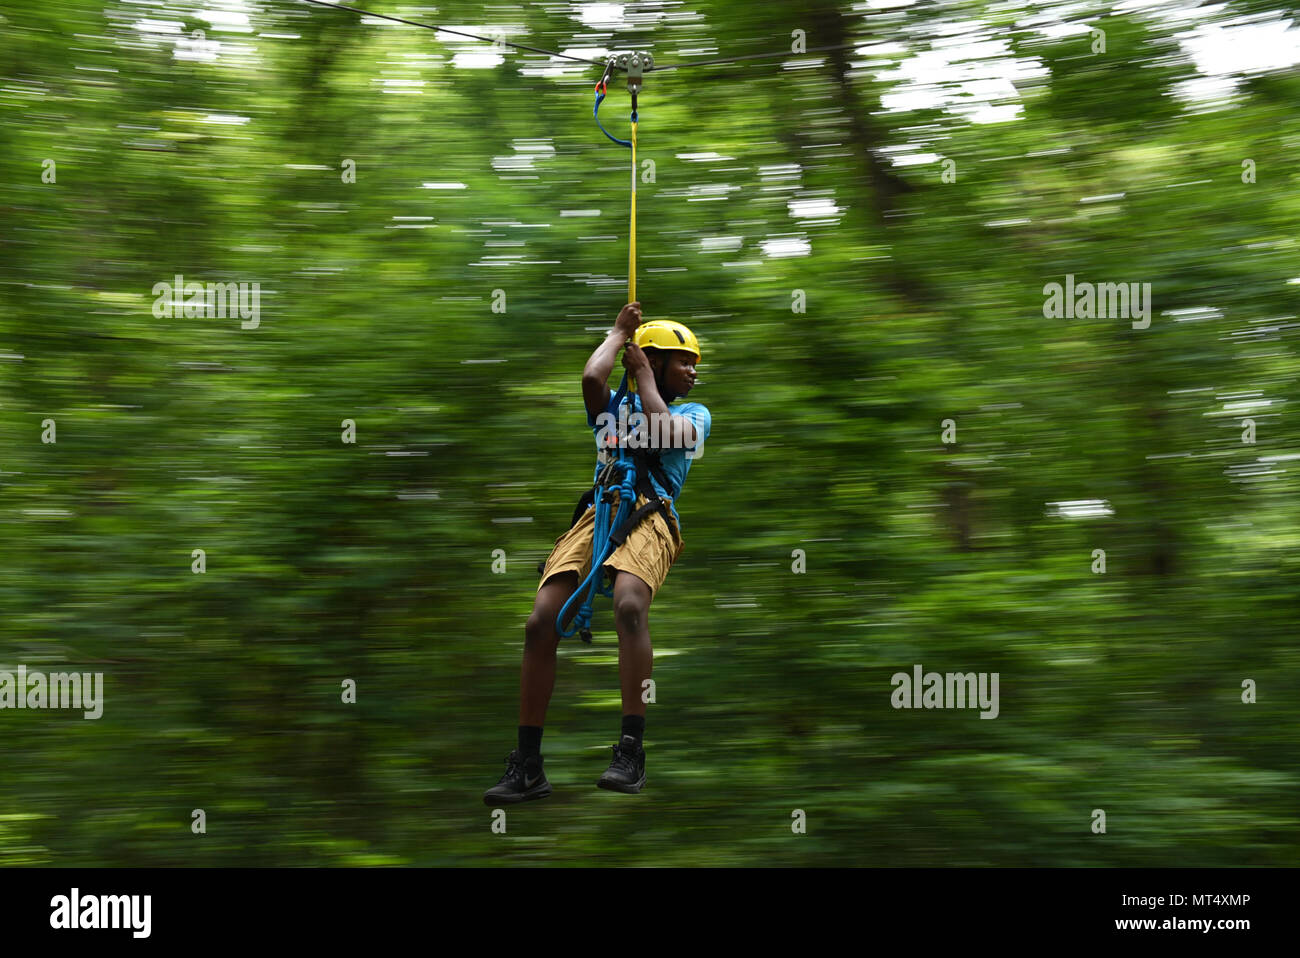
[537, 675]
[635, 656]
[524, 779]
[626, 772]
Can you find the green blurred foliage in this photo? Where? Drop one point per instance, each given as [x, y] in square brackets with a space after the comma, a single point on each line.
[372, 561]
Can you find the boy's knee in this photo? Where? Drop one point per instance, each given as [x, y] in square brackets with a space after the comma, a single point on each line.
[540, 630]
[629, 613]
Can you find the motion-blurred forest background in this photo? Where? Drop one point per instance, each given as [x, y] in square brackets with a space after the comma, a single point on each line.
[915, 193]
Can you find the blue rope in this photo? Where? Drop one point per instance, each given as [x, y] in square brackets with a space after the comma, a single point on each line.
[595, 112]
[604, 528]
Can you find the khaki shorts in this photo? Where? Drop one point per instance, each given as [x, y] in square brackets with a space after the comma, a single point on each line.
[648, 553]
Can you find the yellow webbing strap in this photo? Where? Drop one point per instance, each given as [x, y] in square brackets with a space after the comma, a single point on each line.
[631, 256]
[631, 251]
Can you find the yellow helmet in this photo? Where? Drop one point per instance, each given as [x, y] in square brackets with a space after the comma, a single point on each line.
[666, 334]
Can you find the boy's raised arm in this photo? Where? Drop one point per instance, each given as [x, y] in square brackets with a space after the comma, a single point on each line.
[595, 377]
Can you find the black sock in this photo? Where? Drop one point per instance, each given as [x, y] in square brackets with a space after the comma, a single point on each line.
[634, 725]
[530, 740]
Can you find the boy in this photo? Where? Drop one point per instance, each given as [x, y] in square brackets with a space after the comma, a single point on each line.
[662, 359]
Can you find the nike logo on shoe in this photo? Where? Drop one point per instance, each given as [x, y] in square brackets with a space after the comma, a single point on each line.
[530, 782]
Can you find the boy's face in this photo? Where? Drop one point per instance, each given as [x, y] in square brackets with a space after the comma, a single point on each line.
[676, 370]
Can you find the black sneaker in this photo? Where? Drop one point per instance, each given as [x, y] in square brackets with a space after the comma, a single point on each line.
[523, 781]
[626, 773]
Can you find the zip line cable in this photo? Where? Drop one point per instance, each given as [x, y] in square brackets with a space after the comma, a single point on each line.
[427, 26]
[565, 56]
[753, 56]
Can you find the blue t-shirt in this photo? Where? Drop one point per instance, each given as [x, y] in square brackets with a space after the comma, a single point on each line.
[676, 463]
